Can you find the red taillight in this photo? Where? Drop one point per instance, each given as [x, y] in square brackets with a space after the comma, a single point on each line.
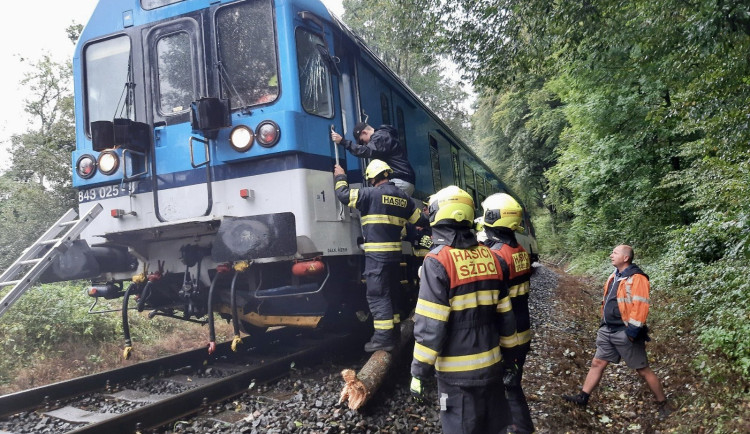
[267, 134]
[86, 166]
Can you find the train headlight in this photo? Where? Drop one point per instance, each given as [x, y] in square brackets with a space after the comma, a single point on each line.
[86, 166]
[108, 162]
[268, 133]
[241, 138]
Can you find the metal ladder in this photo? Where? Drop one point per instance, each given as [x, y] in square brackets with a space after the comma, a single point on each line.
[49, 246]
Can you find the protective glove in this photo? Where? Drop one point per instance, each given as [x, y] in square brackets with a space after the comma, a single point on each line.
[511, 377]
[416, 390]
[425, 242]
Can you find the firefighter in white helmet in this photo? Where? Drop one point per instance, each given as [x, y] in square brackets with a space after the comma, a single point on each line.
[502, 217]
[384, 209]
[463, 323]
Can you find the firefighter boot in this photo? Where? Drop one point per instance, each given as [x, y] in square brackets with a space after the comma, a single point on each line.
[381, 340]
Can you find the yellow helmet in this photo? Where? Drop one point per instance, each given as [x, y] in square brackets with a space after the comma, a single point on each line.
[376, 167]
[451, 206]
[501, 210]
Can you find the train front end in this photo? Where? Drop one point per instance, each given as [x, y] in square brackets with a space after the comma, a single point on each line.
[202, 130]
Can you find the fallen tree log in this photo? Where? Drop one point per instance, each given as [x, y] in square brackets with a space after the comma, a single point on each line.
[359, 387]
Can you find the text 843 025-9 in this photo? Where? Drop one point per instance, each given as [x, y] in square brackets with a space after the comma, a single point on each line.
[103, 192]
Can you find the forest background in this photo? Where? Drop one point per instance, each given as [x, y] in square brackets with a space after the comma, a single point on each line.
[616, 122]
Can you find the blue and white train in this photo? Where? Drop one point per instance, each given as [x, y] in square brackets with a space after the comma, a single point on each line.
[203, 129]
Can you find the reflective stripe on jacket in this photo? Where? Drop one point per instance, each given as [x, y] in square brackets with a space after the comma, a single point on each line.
[519, 263]
[632, 300]
[463, 312]
[384, 210]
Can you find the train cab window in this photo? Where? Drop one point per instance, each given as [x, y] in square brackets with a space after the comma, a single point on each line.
[153, 4]
[385, 109]
[437, 182]
[176, 88]
[401, 127]
[314, 76]
[247, 51]
[108, 75]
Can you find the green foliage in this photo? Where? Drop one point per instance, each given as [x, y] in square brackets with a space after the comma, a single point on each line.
[652, 147]
[37, 188]
[48, 317]
[404, 35]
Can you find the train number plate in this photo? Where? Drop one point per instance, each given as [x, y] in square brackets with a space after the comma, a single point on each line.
[103, 192]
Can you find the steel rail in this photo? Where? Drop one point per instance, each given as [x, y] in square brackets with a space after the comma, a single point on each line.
[192, 401]
[48, 394]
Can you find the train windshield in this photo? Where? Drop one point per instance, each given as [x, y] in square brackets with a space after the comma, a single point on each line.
[247, 51]
[108, 74]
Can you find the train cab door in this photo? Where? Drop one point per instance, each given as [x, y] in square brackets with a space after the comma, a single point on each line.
[319, 79]
[180, 163]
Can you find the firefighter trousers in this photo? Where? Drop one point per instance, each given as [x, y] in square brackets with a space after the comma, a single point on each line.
[383, 295]
[473, 409]
[519, 408]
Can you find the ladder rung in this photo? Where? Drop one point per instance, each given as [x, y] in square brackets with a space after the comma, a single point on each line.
[9, 283]
[30, 261]
[68, 223]
[48, 242]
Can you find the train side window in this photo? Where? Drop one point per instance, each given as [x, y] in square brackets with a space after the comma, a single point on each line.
[456, 166]
[401, 127]
[437, 182]
[469, 183]
[108, 72]
[247, 51]
[153, 4]
[468, 176]
[385, 109]
[176, 88]
[314, 76]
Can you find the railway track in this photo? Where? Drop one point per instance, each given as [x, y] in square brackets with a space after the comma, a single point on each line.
[149, 395]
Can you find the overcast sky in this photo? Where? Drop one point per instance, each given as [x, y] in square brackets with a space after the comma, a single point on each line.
[31, 28]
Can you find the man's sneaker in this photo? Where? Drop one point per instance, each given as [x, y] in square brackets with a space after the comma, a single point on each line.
[581, 399]
[664, 409]
[371, 346]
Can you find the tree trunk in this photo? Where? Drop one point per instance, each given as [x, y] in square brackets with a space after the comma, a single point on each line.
[359, 387]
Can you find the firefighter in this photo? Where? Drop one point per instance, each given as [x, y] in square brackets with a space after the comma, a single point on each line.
[381, 143]
[384, 210]
[464, 327]
[502, 217]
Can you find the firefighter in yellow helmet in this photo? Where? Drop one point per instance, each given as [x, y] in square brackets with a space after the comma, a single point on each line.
[384, 209]
[502, 217]
[464, 328]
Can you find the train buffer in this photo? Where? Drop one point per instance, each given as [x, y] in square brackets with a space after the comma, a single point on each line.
[29, 267]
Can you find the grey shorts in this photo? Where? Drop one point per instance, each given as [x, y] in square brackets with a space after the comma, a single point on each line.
[612, 346]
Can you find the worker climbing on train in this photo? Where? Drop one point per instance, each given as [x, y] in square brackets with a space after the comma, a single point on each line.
[502, 217]
[464, 326]
[383, 144]
[384, 210]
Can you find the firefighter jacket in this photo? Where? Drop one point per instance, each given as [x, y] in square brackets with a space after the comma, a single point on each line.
[384, 145]
[627, 306]
[384, 210]
[463, 323]
[503, 243]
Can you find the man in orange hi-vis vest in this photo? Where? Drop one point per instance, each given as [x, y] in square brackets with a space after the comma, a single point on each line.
[623, 333]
